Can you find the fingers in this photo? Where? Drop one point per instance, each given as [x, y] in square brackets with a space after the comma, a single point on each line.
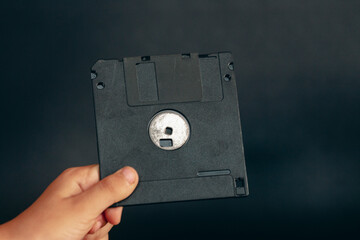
[101, 234]
[99, 223]
[113, 215]
[108, 191]
[105, 238]
[110, 215]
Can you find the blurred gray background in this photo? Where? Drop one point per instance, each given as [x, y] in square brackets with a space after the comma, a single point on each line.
[298, 72]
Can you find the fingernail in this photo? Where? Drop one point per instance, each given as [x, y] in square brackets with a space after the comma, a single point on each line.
[129, 174]
[97, 226]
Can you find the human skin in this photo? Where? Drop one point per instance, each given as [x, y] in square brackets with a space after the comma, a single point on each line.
[75, 206]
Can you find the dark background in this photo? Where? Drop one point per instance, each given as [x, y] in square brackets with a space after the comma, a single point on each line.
[298, 71]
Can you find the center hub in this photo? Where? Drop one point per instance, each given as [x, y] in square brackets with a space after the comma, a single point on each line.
[169, 130]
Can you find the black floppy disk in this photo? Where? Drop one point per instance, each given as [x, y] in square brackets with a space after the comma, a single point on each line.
[175, 119]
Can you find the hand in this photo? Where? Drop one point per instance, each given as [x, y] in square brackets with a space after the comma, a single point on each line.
[74, 207]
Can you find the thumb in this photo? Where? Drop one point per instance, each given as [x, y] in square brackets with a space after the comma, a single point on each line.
[108, 191]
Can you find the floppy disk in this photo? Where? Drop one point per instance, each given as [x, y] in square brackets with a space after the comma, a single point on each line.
[175, 119]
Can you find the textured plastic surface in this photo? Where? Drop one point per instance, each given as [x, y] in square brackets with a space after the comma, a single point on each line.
[210, 165]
